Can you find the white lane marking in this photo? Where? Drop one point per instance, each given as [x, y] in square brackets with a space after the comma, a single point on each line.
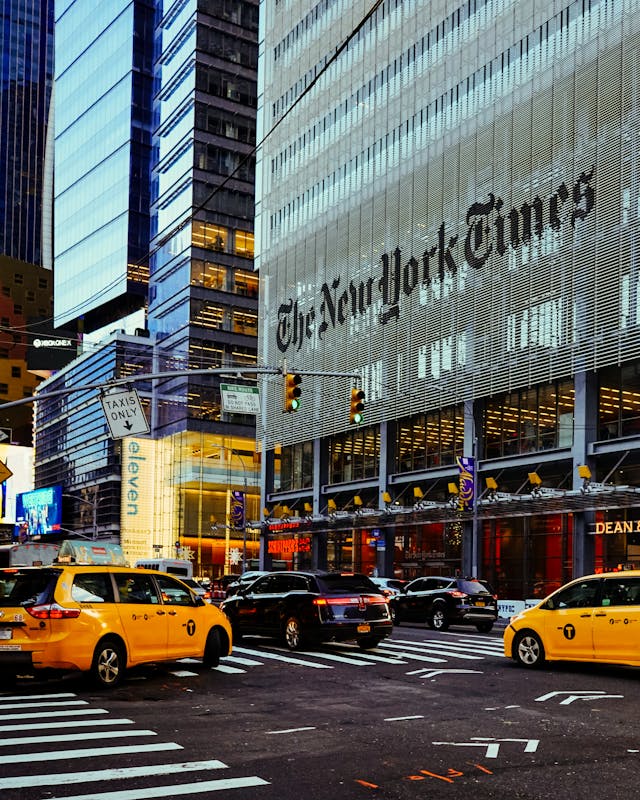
[229, 670]
[369, 654]
[73, 737]
[414, 656]
[431, 673]
[4, 706]
[334, 657]
[247, 662]
[76, 723]
[291, 730]
[400, 719]
[442, 649]
[93, 776]
[91, 752]
[183, 673]
[170, 791]
[35, 696]
[276, 657]
[56, 714]
[466, 648]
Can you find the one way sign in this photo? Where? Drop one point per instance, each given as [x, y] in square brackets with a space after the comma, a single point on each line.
[124, 414]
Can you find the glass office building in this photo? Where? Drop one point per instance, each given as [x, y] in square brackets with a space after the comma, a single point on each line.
[26, 81]
[155, 151]
[448, 210]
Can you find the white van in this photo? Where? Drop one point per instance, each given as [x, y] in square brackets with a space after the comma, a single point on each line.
[174, 566]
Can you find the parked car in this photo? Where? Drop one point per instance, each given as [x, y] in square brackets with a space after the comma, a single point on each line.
[102, 619]
[440, 602]
[305, 608]
[240, 581]
[389, 586]
[594, 618]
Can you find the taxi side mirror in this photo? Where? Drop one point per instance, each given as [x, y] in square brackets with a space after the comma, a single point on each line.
[199, 601]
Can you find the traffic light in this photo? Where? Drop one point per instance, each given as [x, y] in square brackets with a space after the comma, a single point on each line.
[357, 406]
[292, 391]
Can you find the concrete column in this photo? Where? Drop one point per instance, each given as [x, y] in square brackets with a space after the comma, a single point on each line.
[585, 423]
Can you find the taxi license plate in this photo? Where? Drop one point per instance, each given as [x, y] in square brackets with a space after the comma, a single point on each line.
[5, 633]
[364, 628]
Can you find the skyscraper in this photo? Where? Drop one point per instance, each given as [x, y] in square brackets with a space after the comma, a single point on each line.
[26, 82]
[155, 161]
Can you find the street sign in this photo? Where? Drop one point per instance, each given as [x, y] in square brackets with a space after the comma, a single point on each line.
[5, 472]
[240, 399]
[124, 414]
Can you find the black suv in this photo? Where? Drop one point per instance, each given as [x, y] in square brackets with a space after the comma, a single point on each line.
[441, 602]
[305, 608]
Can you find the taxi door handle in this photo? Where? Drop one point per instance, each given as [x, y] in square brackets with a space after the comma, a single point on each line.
[588, 615]
[599, 615]
[160, 613]
[172, 613]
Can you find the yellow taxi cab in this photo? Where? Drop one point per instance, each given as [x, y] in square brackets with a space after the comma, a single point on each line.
[595, 618]
[102, 619]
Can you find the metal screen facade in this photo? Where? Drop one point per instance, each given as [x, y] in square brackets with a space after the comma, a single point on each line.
[451, 210]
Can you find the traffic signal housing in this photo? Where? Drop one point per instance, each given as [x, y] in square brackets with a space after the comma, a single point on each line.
[292, 391]
[356, 407]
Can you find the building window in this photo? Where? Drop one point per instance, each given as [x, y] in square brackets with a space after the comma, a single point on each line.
[246, 283]
[209, 237]
[529, 420]
[30, 295]
[17, 308]
[43, 283]
[6, 291]
[430, 440]
[297, 466]
[619, 401]
[354, 455]
[16, 372]
[211, 276]
[244, 244]
[4, 388]
[17, 278]
[245, 323]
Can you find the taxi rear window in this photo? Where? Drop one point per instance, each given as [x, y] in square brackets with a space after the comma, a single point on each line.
[26, 587]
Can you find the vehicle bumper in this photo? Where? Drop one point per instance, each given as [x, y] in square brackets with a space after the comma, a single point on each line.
[342, 631]
[474, 615]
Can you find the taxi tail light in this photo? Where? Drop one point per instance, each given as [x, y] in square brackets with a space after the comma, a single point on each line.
[53, 611]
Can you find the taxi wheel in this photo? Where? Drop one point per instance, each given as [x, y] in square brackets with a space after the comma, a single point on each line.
[293, 633]
[439, 619]
[211, 657]
[109, 661]
[528, 650]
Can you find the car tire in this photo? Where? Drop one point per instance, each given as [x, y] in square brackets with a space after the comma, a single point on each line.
[369, 642]
[211, 655]
[109, 664]
[484, 627]
[293, 633]
[528, 650]
[394, 616]
[439, 620]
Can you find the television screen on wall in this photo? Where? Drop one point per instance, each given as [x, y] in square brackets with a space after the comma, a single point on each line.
[38, 513]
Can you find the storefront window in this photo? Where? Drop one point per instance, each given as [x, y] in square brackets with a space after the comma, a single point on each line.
[297, 466]
[619, 401]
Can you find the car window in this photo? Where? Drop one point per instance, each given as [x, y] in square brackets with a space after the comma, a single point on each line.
[416, 586]
[472, 587]
[621, 592]
[136, 588]
[26, 587]
[339, 584]
[92, 588]
[429, 584]
[297, 583]
[579, 595]
[267, 585]
[173, 592]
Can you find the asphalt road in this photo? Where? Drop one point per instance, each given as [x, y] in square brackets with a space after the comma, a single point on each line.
[426, 715]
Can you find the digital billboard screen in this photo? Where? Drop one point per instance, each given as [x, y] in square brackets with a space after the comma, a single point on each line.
[38, 513]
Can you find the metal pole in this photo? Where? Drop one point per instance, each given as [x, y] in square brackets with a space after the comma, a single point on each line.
[95, 515]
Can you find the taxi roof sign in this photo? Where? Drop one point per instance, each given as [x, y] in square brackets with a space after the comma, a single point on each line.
[80, 552]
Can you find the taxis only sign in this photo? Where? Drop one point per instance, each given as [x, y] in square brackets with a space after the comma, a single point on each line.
[124, 414]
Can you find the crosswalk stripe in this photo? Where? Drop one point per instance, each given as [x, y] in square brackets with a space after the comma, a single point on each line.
[56, 714]
[35, 697]
[96, 775]
[248, 662]
[76, 723]
[91, 752]
[72, 737]
[405, 653]
[276, 657]
[171, 791]
[6, 706]
[437, 649]
[229, 670]
[334, 657]
[372, 655]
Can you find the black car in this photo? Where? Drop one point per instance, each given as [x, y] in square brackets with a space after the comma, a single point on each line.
[306, 608]
[441, 602]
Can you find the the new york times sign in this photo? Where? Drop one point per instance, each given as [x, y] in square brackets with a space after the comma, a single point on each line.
[490, 230]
